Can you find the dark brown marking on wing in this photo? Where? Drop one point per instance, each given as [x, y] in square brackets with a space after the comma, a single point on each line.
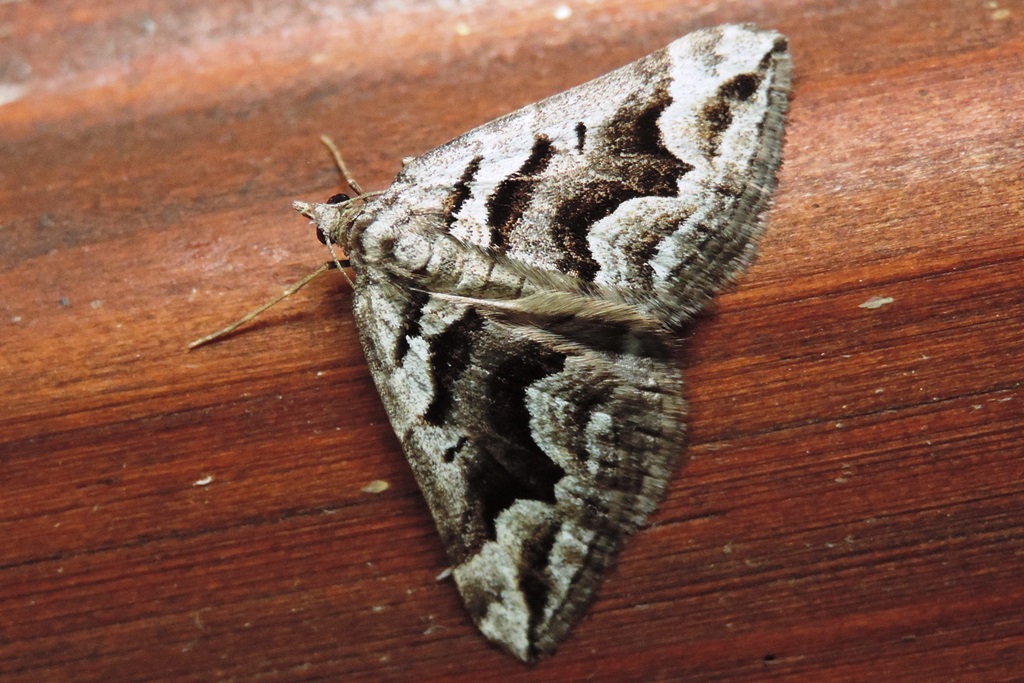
[450, 353]
[512, 196]
[461, 191]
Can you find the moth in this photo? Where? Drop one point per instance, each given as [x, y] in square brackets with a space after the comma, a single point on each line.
[516, 292]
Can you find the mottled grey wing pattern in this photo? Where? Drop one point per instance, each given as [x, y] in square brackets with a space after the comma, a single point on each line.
[513, 290]
[540, 443]
[648, 182]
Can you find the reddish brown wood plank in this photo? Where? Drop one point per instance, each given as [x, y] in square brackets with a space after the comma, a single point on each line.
[851, 508]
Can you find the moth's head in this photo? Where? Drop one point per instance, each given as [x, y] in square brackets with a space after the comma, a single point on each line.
[333, 219]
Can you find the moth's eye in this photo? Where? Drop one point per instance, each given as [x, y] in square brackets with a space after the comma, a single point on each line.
[321, 235]
[338, 199]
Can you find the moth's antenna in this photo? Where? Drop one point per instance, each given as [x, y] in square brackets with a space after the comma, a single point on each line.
[249, 316]
[340, 264]
[329, 144]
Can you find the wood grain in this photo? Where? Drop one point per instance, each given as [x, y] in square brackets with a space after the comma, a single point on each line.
[852, 506]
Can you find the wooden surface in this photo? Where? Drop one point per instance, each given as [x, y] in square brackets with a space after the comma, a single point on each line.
[852, 509]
